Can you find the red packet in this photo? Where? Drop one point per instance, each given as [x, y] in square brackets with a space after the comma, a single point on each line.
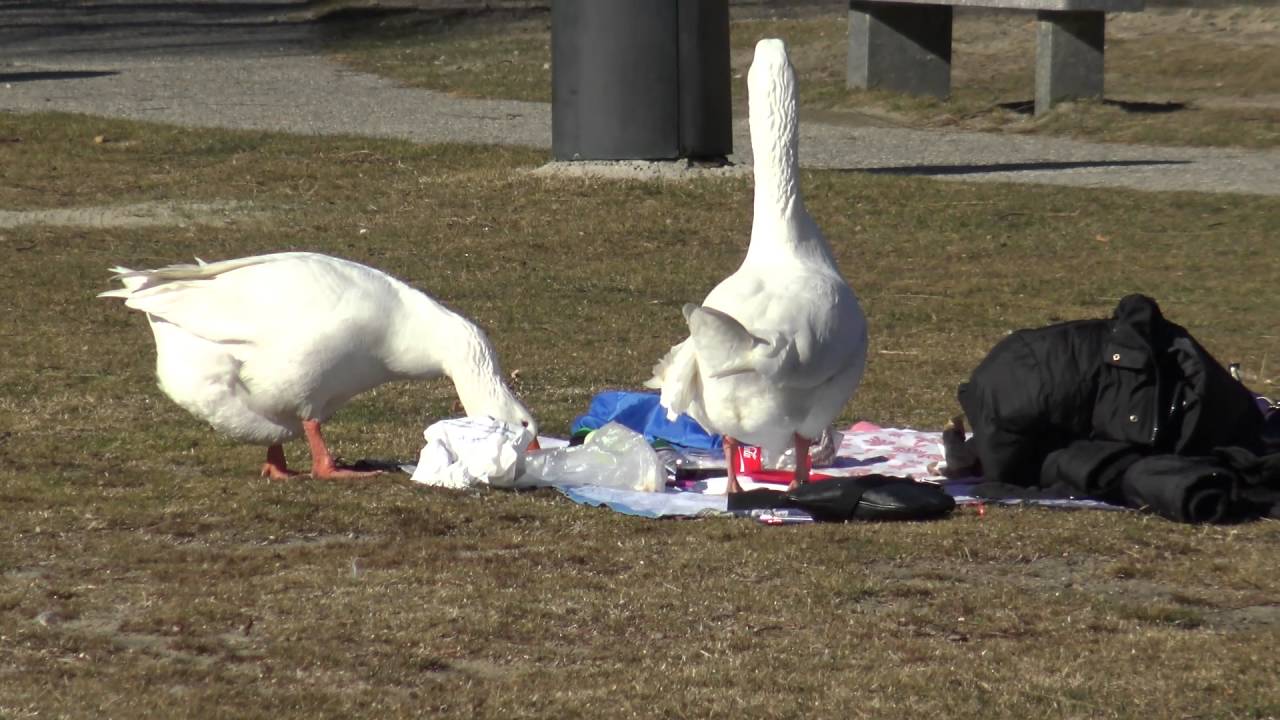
[749, 462]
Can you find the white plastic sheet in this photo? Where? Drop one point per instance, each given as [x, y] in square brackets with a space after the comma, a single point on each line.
[472, 451]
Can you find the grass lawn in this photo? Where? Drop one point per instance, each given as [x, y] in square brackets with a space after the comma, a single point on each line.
[1202, 75]
[146, 572]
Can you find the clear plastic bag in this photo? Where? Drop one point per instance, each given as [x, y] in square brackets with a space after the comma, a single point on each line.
[612, 456]
[821, 453]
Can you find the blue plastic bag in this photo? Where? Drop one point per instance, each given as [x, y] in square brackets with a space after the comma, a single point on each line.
[643, 413]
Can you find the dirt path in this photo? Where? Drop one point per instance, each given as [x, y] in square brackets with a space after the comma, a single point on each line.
[217, 64]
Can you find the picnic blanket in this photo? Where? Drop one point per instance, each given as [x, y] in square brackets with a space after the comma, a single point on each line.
[865, 448]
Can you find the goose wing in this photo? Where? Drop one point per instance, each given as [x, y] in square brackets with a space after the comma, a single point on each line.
[255, 300]
[805, 328]
[726, 347]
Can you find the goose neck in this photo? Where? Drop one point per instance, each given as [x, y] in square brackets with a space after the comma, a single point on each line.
[776, 166]
[473, 366]
[777, 196]
[469, 360]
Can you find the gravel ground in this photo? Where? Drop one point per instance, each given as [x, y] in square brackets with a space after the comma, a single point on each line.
[254, 64]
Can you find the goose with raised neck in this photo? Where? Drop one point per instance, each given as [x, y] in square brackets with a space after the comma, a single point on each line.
[777, 348]
[781, 226]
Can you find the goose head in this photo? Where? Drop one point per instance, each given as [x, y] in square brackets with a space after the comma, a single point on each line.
[431, 339]
[483, 391]
[510, 410]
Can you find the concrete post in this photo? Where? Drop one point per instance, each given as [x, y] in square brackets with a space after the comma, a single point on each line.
[900, 47]
[1069, 56]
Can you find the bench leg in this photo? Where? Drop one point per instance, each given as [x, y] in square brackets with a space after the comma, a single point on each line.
[1068, 56]
[905, 48]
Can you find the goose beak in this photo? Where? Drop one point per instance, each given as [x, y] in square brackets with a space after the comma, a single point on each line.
[533, 444]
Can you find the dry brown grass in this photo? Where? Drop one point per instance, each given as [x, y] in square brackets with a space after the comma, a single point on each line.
[1177, 76]
[144, 571]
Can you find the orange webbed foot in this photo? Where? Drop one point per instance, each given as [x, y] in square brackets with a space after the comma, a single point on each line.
[802, 463]
[275, 467]
[340, 472]
[323, 466]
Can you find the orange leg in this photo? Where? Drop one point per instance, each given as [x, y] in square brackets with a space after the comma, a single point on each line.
[275, 467]
[731, 463]
[322, 463]
[802, 463]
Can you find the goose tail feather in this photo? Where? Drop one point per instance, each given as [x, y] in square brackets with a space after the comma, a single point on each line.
[676, 378]
[131, 280]
[135, 281]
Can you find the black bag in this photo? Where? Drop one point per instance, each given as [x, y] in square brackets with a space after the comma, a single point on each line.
[871, 497]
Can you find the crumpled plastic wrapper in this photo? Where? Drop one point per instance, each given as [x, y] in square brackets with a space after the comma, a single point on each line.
[821, 453]
[472, 452]
[613, 456]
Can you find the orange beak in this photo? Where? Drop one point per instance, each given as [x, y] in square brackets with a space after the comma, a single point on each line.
[533, 445]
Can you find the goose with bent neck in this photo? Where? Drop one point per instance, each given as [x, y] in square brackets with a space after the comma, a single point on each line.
[268, 347]
[777, 348]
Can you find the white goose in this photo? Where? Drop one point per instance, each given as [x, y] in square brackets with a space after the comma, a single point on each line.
[778, 347]
[266, 348]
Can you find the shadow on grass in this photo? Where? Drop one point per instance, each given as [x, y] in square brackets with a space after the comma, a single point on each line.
[54, 75]
[1012, 167]
[1028, 107]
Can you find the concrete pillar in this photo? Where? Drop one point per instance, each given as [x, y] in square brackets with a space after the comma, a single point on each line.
[905, 48]
[1069, 56]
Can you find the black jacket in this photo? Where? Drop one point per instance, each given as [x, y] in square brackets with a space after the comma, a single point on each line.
[1074, 405]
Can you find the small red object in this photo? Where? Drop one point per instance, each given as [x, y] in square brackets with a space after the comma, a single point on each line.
[748, 460]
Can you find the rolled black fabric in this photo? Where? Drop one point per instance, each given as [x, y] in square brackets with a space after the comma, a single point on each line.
[1031, 395]
[1184, 489]
[1258, 494]
[1271, 431]
[1089, 468]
